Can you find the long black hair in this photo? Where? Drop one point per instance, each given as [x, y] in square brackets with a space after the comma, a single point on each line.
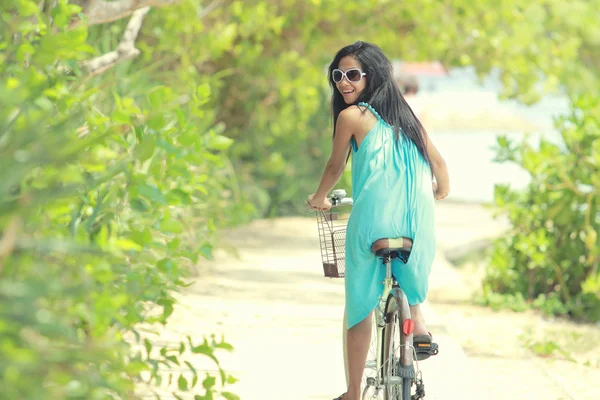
[381, 92]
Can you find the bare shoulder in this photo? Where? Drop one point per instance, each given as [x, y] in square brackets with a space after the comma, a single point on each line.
[353, 115]
[358, 120]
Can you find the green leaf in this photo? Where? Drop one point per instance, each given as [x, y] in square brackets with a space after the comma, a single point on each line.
[167, 307]
[229, 396]
[206, 250]
[219, 143]
[142, 237]
[145, 149]
[178, 196]
[209, 382]
[174, 244]
[126, 244]
[136, 367]
[182, 383]
[166, 265]
[160, 96]
[224, 346]
[181, 118]
[194, 372]
[148, 347]
[206, 350]
[138, 205]
[203, 90]
[152, 193]
[121, 117]
[171, 226]
[156, 122]
[173, 359]
[27, 8]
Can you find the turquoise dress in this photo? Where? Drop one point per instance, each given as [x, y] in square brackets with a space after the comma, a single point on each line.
[393, 197]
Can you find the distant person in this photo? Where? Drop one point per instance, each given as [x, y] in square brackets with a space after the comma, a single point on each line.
[409, 85]
[393, 160]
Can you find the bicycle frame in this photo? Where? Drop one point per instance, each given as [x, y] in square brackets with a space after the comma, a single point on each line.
[379, 312]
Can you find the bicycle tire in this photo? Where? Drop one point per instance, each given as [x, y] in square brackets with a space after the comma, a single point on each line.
[371, 363]
[394, 352]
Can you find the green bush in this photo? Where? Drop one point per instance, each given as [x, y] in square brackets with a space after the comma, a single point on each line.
[106, 203]
[551, 256]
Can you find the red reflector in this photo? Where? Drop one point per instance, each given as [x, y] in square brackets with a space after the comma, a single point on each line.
[408, 326]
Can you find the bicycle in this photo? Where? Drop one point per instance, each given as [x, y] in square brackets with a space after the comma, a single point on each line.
[392, 368]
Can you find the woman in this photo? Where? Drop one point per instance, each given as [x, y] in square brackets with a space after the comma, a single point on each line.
[392, 166]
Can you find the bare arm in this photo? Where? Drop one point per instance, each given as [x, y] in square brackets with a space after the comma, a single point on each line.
[438, 167]
[347, 122]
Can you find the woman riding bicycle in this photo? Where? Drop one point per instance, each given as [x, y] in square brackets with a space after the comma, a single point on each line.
[393, 160]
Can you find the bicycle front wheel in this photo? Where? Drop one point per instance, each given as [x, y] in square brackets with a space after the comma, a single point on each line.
[397, 378]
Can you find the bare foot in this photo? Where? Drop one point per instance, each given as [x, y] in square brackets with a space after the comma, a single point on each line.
[349, 396]
[420, 329]
[417, 316]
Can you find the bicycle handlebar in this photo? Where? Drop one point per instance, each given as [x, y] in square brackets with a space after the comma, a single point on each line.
[338, 198]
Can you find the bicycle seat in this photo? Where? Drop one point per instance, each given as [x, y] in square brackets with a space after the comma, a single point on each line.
[395, 247]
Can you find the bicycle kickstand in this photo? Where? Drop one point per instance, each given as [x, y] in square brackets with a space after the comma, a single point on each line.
[420, 392]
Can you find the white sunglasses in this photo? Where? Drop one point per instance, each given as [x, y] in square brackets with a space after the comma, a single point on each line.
[352, 75]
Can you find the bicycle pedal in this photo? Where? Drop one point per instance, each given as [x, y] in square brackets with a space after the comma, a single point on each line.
[427, 348]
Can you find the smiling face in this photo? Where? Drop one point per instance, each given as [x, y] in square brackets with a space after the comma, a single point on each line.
[350, 90]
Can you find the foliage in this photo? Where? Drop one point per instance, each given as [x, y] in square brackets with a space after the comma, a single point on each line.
[271, 55]
[109, 194]
[552, 255]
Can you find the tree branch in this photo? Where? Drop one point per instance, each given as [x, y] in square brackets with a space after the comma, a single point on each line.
[99, 11]
[210, 8]
[102, 11]
[8, 240]
[125, 50]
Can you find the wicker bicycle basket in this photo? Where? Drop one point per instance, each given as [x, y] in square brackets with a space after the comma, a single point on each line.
[332, 237]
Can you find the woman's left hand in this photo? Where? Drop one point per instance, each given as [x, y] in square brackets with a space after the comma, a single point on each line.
[318, 204]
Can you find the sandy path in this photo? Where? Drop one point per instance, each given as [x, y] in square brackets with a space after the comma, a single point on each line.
[284, 320]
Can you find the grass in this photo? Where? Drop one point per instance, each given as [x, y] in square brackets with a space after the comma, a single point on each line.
[578, 344]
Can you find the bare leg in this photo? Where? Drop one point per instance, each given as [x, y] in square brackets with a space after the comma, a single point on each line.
[417, 316]
[345, 339]
[358, 340]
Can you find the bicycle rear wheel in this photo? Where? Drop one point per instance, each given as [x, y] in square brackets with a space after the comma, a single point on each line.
[398, 379]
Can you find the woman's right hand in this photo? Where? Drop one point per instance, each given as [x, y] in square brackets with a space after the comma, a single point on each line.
[440, 195]
[437, 193]
[321, 205]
